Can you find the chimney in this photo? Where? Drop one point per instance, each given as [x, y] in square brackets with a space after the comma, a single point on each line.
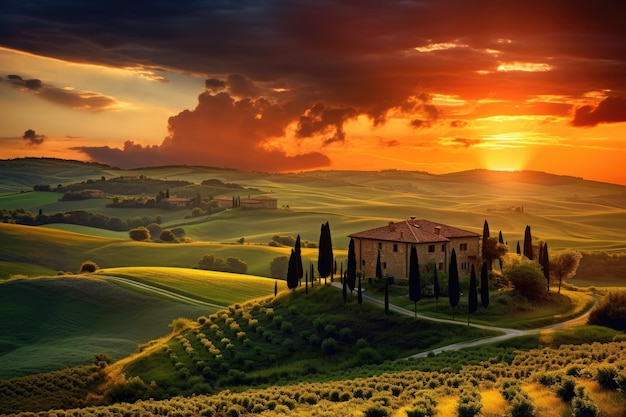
[437, 230]
[392, 226]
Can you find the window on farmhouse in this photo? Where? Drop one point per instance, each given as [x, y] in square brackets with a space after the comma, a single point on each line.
[395, 247]
[463, 246]
[380, 246]
[443, 247]
[431, 248]
[441, 266]
[363, 262]
[384, 265]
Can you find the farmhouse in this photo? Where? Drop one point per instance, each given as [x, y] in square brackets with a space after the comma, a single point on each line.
[434, 243]
[178, 202]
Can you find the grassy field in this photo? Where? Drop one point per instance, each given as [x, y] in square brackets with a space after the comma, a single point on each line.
[215, 287]
[53, 323]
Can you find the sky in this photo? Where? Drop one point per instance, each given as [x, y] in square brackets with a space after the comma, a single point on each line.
[281, 85]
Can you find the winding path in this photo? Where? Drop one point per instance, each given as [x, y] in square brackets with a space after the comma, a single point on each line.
[162, 292]
[506, 333]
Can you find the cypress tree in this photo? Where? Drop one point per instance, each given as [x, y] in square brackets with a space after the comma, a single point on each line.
[344, 289]
[298, 251]
[545, 263]
[415, 292]
[485, 237]
[528, 244]
[292, 279]
[351, 267]
[484, 286]
[379, 270]
[275, 288]
[454, 290]
[306, 282]
[518, 251]
[472, 300]
[312, 276]
[325, 254]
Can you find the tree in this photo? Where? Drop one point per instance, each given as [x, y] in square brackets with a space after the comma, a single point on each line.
[528, 243]
[325, 254]
[306, 282]
[351, 267]
[311, 274]
[545, 265]
[527, 278]
[298, 252]
[415, 292]
[88, 267]
[472, 301]
[564, 264]
[275, 288]
[167, 236]
[518, 250]
[493, 250]
[344, 289]
[278, 266]
[485, 242]
[292, 278]
[454, 289]
[484, 286]
[611, 312]
[139, 233]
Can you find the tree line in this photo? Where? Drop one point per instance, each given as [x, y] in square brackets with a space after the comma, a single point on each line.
[78, 217]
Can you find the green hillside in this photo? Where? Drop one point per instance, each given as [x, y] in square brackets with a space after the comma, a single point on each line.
[53, 323]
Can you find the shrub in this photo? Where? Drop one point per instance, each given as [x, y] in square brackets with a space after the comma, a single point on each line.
[329, 346]
[566, 390]
[607, 377]
[279, 266]
[139, 233]
[376, 411]
[583, 405]
[167, 236]
[88, 267]
[527, 278]
[611, 312]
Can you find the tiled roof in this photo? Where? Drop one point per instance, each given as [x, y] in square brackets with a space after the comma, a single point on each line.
[414, 231]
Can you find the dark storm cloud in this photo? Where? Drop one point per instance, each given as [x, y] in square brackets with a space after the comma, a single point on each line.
[610, 110]
[74, 99]
[220, 132]
[322, 63]
[33, 138]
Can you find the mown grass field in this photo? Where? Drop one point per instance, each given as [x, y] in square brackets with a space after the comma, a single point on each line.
[215, 287]
[53, 323]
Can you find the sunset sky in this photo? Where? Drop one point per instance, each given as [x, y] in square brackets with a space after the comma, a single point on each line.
[279, 85]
